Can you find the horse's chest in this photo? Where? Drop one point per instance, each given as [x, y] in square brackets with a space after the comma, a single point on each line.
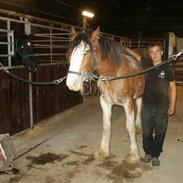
[111, 94]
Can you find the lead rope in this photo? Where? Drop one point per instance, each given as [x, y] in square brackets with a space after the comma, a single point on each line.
[91, 76]
[173, 58]
[54, 82]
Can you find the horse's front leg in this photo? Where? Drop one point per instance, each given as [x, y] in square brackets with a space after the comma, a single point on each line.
[138, 116]
[134, 155]
[104, 150]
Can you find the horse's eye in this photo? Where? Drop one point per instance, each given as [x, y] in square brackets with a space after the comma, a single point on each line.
[86, 52]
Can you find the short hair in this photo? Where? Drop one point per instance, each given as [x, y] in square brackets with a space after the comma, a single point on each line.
[155, 44]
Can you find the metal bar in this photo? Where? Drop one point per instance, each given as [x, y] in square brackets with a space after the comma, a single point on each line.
[51, 46]
[45, 41]
[41, 64]
[109, 35]
[6, 43]
[47, 36]
[11, 35]
[31, 103]
[61, 33]
[48, 46]
[48, 54]
[5, 55]
[48, 61]
[27, 30]
[57, 34]
[9, 39]
[4, 30]
[46, 26]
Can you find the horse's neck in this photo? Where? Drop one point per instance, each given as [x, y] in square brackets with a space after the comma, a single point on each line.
[106, 68]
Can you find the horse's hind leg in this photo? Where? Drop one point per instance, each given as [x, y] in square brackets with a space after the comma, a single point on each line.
[138, 116]
[103, 151]
[134, 155]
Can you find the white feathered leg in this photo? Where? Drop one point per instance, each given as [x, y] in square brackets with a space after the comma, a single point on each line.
[138, 116]
[104, 150]
[134, 155]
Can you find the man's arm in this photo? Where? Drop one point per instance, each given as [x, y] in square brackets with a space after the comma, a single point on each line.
[133, 54]
[172, 98]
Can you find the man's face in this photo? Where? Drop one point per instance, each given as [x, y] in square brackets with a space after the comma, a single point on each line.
[155, 53]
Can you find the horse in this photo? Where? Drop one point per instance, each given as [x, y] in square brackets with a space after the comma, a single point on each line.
[92, 53]
[24, 53]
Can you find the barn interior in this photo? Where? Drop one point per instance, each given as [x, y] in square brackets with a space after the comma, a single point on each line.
[56, 130]
[132, 23]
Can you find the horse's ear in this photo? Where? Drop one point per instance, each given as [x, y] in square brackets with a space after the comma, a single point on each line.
[95, 34]
[73, 33]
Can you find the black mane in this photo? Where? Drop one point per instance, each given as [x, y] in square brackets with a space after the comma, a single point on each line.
[111, 47]
[107, 45]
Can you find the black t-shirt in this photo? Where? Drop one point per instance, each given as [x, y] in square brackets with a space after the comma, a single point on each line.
[156, 83]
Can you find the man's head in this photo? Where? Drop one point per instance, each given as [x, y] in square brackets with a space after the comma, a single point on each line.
[155, 52]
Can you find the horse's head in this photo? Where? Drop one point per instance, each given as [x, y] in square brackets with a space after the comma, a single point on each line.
[81, 58]
[24, 49]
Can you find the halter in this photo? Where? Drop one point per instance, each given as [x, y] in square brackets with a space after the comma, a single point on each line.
[89, 75]
[95, 60]
[18, 51]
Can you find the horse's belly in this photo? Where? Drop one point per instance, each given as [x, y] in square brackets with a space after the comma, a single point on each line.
[111, 95]
[117, 93]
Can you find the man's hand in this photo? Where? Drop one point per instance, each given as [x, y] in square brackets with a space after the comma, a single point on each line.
[171, 111]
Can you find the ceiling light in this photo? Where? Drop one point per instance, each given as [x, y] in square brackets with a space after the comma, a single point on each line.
[87, 14]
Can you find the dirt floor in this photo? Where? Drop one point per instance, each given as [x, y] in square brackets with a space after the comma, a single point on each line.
[59, 150]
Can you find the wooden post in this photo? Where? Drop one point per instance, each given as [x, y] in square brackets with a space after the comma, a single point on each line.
[27, 28]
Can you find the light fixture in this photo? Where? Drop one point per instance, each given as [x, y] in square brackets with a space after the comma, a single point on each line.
[87, 14]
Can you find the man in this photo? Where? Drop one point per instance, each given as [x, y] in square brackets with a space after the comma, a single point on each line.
[158, 102]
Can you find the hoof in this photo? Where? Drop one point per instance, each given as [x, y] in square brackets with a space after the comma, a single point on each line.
[132, 158]
[100, 155]
[138, 130]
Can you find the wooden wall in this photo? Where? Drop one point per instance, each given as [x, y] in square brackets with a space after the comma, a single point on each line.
[178, 67]
[47, 100]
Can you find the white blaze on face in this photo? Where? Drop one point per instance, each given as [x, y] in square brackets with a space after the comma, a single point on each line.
[74, 81]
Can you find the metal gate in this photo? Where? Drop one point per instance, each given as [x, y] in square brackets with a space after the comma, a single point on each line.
[24, 105]
[7, 41]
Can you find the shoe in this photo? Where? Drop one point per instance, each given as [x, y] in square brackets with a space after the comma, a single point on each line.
[155, 161]
[147, 158]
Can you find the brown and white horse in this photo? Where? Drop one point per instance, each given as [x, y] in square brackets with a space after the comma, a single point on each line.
[90, 53]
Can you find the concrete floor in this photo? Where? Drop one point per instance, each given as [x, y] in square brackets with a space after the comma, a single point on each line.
[58, 150]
